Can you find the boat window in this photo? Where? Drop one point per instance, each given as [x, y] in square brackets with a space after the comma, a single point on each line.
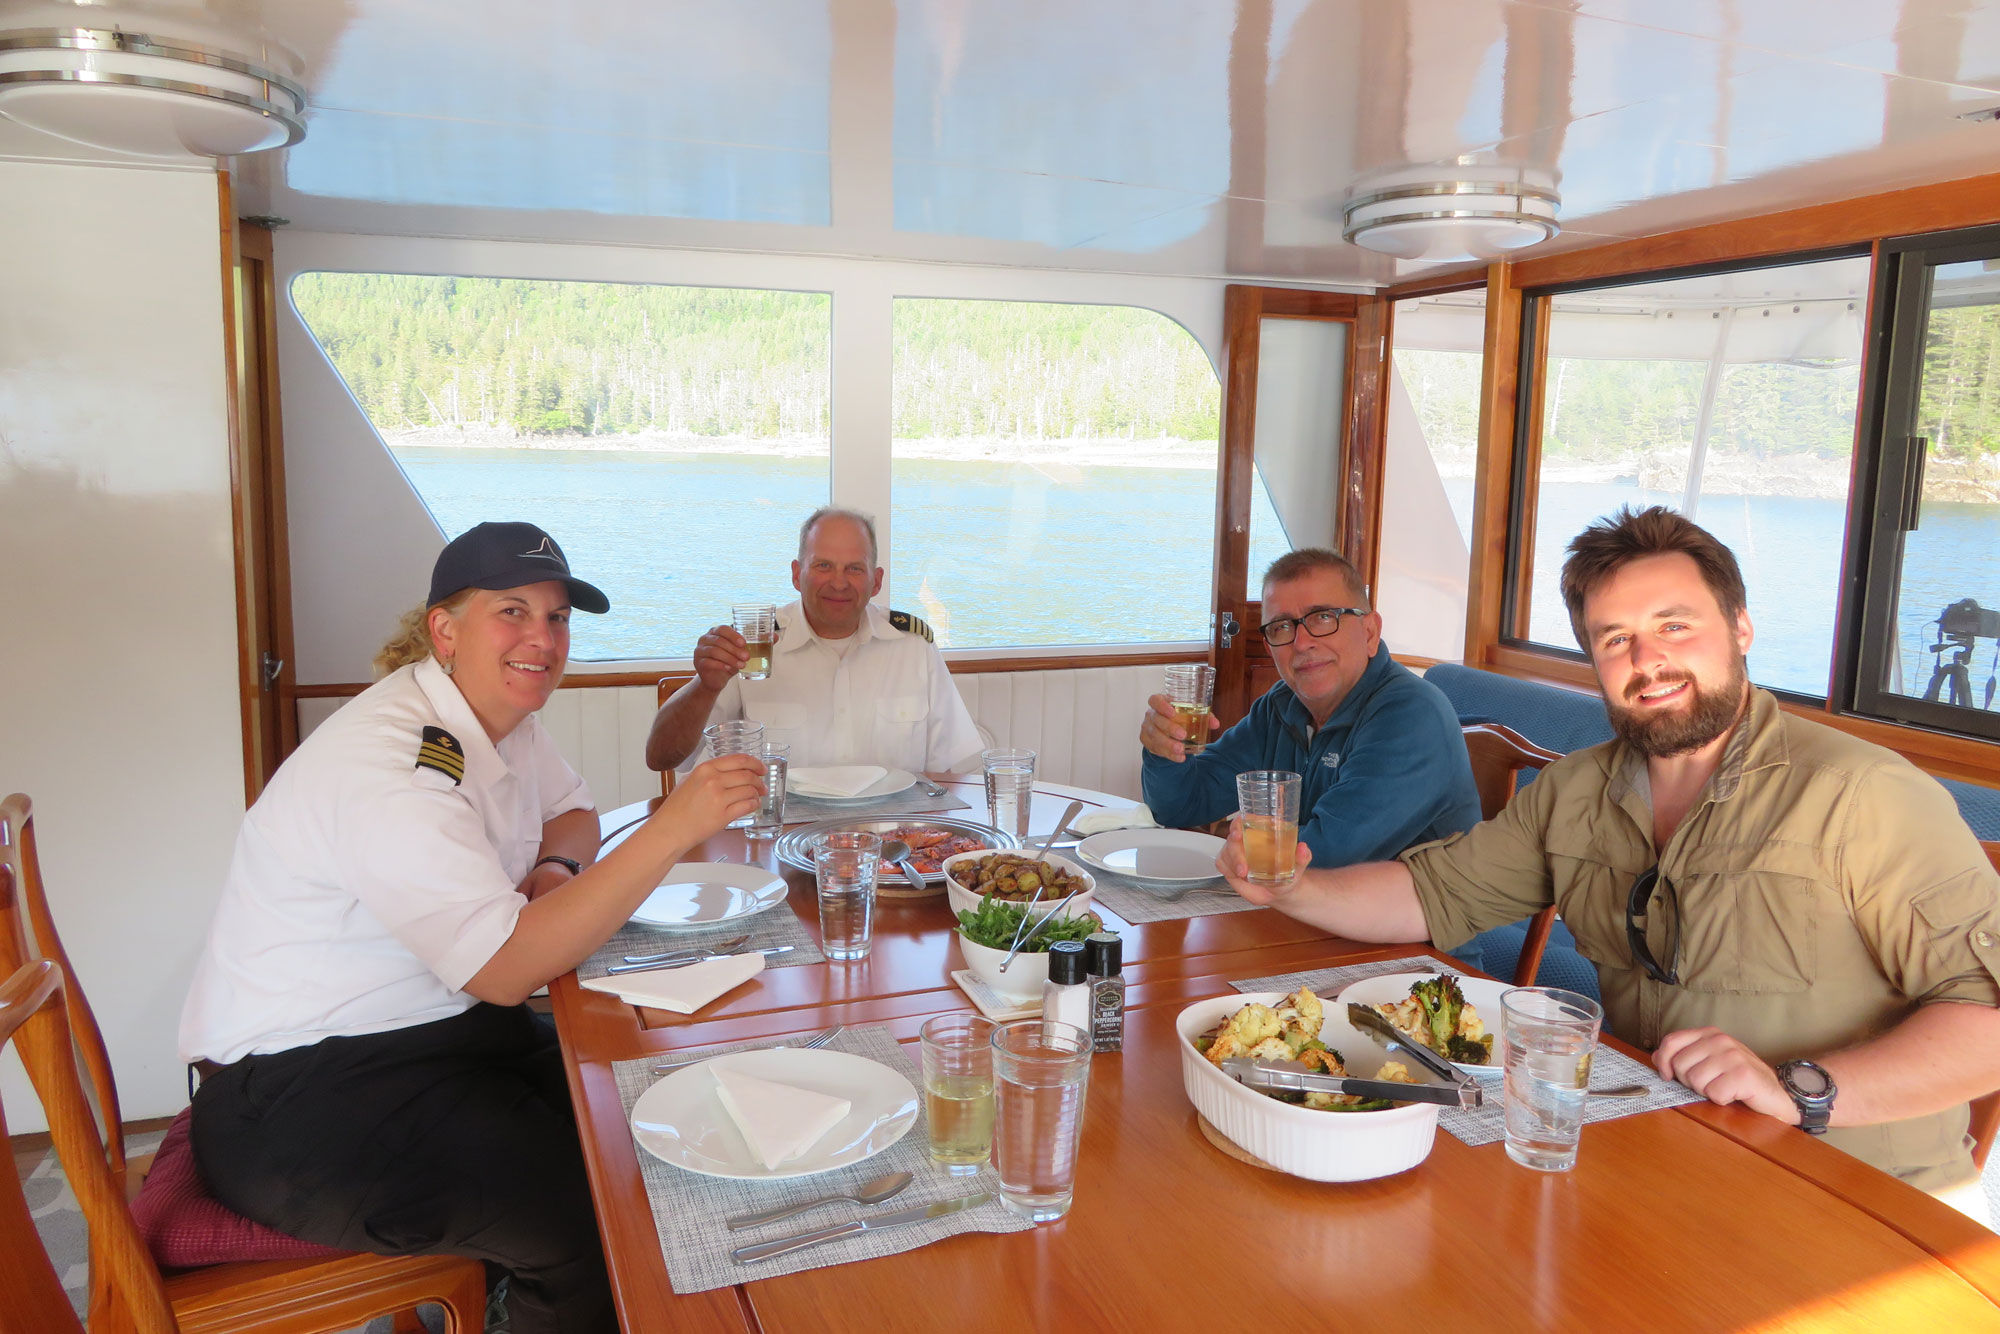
[1730, 396]
[1302, 392]
[1438, 346]
[1929, 648]
[1052, 474]
[662, 434]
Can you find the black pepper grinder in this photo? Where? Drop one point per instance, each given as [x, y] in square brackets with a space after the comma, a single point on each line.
[1103, 955]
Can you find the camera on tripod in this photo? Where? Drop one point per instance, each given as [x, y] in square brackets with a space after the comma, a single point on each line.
[1966, 619]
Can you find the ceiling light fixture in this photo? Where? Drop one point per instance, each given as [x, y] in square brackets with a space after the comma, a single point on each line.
[152, 97]
[1459, 211]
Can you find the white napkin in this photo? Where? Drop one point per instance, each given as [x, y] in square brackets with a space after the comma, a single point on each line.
[842, 780]
[682, 990]
[1114, 817]
[778, 1121]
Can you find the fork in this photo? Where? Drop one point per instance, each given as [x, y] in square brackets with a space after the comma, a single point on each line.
[929, 786]
[812, 1043]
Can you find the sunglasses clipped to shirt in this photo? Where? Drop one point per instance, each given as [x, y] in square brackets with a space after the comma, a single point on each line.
[1636, 907]
[1319, 623]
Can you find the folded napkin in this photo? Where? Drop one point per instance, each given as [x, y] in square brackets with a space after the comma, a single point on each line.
[682, 990]
[842, 780]
[779, 1122]
[1114, 817]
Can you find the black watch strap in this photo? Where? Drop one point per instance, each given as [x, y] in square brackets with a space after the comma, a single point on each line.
[575, 866]
[1812, 1090]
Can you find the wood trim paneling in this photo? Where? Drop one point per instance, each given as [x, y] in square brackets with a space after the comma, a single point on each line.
[1529, 461]
[249, 707]
[1367, 435]
[1437, 284]
[256, 243]
[1969, 202]
[1242, 332]
[1497, 406]
[1305, 303]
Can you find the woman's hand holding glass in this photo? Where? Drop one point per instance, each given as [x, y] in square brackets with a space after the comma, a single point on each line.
[711, 794]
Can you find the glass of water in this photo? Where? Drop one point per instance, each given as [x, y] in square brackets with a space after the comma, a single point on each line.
[738, 738]
[769, 817]
[844, 864]
[1010, 789]
[1041, 1072]
[1548, 1037]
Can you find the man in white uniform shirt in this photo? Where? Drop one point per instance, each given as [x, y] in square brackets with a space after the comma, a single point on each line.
[847, 686]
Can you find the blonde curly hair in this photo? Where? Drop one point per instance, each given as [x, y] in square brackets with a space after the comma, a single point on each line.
[412, 640]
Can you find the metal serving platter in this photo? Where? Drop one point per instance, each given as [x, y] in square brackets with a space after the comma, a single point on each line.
[794, 845]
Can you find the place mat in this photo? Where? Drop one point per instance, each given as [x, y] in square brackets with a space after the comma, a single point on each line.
[773, 926]
[689, 1209]
[1488, 1124]
[910, 801]
[1140, 901]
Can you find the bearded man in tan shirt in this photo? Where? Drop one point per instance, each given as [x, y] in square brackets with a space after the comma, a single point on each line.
[1790, 918]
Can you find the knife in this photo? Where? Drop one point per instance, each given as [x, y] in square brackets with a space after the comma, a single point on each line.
[1292, 1077]
[1373, 1021]
[617, 968]
[921, 1213]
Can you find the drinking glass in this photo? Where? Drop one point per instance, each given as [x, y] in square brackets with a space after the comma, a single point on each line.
[1191, 690]
[1041, 1072]
[1269, 802]
[757, 622]
[1010, 789]
[1548, 1037]
[958, 1089]
[844, 864]
[738, 738]
[769, 817]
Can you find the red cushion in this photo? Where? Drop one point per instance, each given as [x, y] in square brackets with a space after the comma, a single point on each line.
[186, 1227]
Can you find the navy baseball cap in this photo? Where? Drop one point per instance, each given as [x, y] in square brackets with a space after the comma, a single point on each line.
[508, 555]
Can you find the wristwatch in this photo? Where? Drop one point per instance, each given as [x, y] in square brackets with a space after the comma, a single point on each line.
[1812, 1088]
[575, 866]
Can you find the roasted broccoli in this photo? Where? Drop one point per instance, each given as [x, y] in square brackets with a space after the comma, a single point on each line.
[1444, 1007]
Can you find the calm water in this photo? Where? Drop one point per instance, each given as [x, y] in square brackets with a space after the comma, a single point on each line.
[1004, 554]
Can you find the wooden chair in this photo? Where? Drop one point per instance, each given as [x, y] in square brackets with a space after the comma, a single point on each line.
[1499, 754]
[1986, 1111]
[668, 685]
[128, 1290]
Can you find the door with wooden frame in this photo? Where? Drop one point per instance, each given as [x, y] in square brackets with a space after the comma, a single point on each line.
[257, 485]
[1300, 390]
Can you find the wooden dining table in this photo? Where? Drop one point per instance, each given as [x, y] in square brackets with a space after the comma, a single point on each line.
[1693, 1218]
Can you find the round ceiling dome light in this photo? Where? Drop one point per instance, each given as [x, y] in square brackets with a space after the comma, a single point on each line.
[151, 97]
[1442, 215]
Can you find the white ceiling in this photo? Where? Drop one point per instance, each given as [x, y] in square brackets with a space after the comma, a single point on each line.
[1195, 137]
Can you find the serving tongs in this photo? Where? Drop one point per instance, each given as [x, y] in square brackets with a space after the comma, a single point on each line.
[1374, 1023]
[1292, 1077]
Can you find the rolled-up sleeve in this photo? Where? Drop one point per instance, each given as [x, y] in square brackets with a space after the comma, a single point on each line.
[1496, 873]
[1921, 889]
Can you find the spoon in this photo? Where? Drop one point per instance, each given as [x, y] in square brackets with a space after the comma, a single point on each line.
[1041, 849]
[1621, 1091]
[897, 854]
[872, 1192]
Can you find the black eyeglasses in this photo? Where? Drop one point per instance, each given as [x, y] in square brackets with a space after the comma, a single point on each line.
[1636, 907]
[1319, 623]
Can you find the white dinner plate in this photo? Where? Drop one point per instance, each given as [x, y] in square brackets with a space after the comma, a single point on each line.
[896, 780]
[1164, 856]
[697, 894]
[681, 1120]
[1481, 993]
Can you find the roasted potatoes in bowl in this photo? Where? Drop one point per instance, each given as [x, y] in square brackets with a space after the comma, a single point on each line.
[971, 876]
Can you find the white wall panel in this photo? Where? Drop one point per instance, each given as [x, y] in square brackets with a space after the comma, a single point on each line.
[115, 524]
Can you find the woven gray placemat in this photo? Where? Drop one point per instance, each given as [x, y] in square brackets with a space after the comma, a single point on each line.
[1488, 1124]
[774, 926]
[689, 1209]
[1140, 901]
[800, 809]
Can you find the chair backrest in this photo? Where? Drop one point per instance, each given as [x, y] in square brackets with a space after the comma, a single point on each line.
[126, 1290]
[28, 932]
[668, 685]
[1499, 754]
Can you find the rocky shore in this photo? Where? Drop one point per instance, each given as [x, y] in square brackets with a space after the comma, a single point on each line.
[1106, 452]
[1806, 476]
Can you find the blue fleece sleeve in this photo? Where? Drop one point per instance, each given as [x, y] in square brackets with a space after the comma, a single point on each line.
[1203, 788]
[1404, 779]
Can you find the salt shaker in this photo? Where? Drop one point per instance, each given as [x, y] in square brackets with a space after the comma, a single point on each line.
[1065, 997]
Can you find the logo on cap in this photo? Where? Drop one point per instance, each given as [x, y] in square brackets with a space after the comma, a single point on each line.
[547, 551]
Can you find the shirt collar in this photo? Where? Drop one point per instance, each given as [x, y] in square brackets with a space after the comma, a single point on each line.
[482, 759]
[1298, 718]
[799, 632]
[1757, 743]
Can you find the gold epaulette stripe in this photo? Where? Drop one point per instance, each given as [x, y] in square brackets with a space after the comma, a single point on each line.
[437, 757]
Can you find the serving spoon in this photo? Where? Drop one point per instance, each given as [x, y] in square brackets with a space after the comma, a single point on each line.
[897, 853]
[871, 1192]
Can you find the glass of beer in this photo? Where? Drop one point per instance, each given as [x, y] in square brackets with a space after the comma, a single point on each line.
[958, 1090]
[1268, 800]
[1191, 690]
[757, 622]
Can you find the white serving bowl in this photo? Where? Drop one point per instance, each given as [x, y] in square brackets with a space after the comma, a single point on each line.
[1023, 979]
[964, 900]
[1316, 1145]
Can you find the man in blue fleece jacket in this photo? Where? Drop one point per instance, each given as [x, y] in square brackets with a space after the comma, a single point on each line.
[1379, 748]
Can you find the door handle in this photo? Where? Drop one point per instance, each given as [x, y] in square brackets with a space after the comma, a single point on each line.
[1227, 628]
[272, 666]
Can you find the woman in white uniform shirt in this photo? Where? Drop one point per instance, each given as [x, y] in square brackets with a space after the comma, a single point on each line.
[423, 862]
